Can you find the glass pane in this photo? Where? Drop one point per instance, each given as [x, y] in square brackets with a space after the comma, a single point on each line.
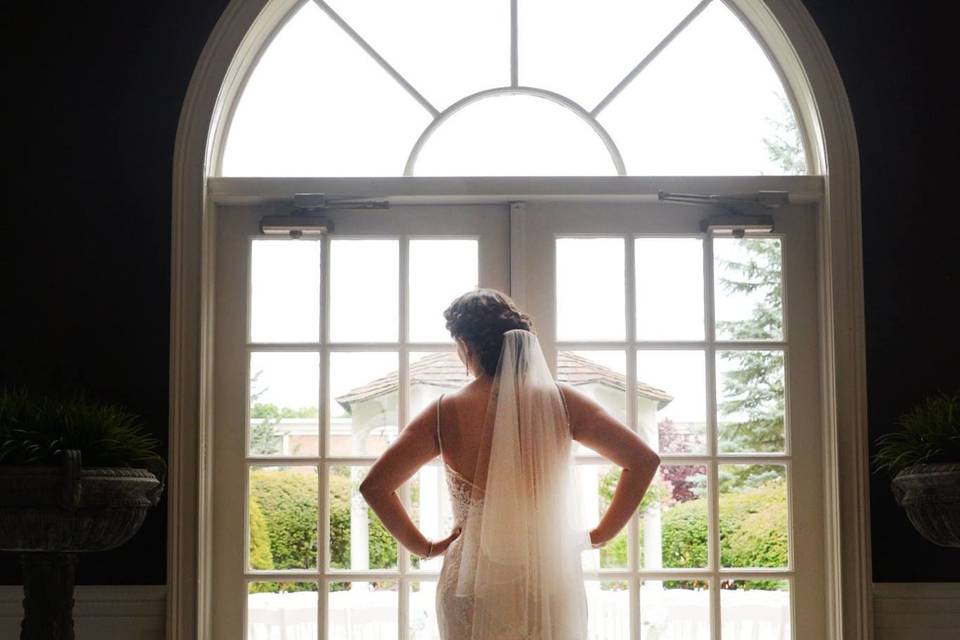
[422, 616]
[748, 288]
[672, 400]
[600, 42]
[597, 484]
[755, 609]
[440, 270]
[284, 413]
[600, 375]
[590, 289]
[446, 50]
[364, 396]
[675, 609]
[358, 540]
[509, 134]
[673, 518]
[364, 290]
[432, 374]
[753, 515]
[669, 277]
[284, 291]
[282, 610]
[283, 512]
[316, 104]
[362, 610]
[431, 509]
[608, 609]
[750, 401]
[668, 121]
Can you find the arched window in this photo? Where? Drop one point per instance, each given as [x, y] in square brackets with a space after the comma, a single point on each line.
[571, 88]
[381, 99]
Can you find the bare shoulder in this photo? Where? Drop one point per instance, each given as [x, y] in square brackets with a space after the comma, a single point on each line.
[594, 427]
[579, 405]
[423, 424]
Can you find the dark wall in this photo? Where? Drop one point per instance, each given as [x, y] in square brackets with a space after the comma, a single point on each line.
[894, 60]
[96, 90]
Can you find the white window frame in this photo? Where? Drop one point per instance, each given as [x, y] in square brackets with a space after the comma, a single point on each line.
[797, 50]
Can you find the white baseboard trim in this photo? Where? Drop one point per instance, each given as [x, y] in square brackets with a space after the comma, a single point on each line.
[901, 611]
[137, 612]
[916, 610]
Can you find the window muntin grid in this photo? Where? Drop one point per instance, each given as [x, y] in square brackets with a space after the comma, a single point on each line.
[633, 575]
[325, 577]
[720, 567]
[654, 115]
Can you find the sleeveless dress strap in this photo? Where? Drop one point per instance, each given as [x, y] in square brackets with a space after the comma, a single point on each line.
[566, 409]
[439, 441]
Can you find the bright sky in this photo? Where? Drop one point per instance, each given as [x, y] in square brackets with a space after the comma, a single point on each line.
[702, 107]
[590, 303]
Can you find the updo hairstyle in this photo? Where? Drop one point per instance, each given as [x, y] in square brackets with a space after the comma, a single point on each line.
[480, 318]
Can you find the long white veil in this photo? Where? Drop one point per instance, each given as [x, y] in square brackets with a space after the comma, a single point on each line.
[523, 536]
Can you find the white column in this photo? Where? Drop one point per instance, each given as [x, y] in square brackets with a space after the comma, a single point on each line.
[652, 540]
[359, 525]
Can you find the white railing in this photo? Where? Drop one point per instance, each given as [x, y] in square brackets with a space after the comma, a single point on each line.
[669, 614]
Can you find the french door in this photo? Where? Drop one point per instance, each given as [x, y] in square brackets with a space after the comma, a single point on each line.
[325, 347]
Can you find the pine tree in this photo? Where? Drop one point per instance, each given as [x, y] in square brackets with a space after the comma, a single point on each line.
[753, 385]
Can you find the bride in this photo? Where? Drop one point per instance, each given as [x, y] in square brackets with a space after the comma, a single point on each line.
[512, 567]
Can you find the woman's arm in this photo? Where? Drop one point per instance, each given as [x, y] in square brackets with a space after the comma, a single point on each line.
[414, 447]
[594, 427]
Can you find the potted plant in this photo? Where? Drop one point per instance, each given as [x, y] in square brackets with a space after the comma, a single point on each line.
[75, 476]
[924, 459]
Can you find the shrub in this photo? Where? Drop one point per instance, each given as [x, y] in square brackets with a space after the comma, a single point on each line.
[684, 535]
[752, 528]
[760, 540]
[261, 557]
[36, 430]
[288, 501]
[382, 546]
[929, 433]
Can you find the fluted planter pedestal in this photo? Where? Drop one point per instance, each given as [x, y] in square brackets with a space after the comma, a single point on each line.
[930, 494]
[50, 514]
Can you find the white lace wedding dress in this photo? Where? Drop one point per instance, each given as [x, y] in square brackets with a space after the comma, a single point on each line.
[514, 572]
[454, 613]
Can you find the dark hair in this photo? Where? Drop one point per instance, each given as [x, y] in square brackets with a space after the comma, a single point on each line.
[480, 318]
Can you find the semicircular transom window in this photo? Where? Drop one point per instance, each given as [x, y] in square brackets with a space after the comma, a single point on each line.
[560, 87]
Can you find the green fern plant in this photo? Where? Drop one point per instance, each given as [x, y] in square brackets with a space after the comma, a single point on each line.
[37, 429]
[929, 433]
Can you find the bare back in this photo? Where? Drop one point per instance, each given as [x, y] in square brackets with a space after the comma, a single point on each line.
[461, 415]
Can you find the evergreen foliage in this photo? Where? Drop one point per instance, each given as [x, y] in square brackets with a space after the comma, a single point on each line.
[261, 557]
[753, 386]
[929, 433]
[785, 146]
[264, 418]
[37, 429]
[288, 501]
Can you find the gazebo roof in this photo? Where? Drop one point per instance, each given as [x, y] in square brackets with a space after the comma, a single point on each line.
[445, 370]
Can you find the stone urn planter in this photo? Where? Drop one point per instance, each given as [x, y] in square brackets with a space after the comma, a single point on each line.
[49, 514]
[930, 494]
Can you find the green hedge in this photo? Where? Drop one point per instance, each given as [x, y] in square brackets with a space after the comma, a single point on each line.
[286, 503]
[261, 556]
[752, 529]
[752, 526]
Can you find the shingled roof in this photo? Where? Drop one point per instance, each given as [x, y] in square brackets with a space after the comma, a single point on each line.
[446, 370]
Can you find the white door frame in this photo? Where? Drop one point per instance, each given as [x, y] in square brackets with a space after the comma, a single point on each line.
[797, 49]
[236, 227]
[797, 226]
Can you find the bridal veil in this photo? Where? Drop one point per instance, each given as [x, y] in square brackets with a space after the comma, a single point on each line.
[523, 536]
